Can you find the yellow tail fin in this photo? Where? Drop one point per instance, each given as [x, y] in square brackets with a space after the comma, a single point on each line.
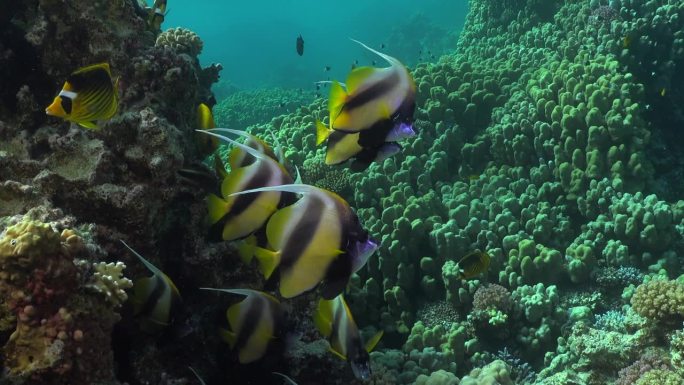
[217, 208]
[268, 260]
[322, 132]
[370, 344]
[247, 248]
[228, 336]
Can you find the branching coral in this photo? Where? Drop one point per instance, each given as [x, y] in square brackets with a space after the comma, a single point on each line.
[660, 300]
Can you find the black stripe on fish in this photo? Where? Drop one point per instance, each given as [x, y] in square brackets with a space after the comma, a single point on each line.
[249, 323]
[337, 276]
[148, 307]
[259, 179]
[373, 92]
[67, 104]
[376, 135]
[302, 234]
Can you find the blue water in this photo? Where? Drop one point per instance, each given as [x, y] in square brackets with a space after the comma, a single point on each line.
[255, 40]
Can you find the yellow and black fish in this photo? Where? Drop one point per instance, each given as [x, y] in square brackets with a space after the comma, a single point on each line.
[205, 121]
[375, 100]
[240, 216]
[473, 264]
[334, 320]
[88, 95]
[157, 15]
[153, 297]
[254, 323]
[318, 239]
[342, 146]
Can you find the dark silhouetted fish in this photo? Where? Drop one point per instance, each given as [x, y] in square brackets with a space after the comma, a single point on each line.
[300, 45]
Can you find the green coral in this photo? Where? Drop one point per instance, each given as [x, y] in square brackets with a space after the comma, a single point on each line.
[660, 300]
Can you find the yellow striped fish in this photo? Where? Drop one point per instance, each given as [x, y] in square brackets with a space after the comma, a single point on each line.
[318, 239]
[157, 14]
[205, 121]
[372, 97]
[153, 297]
[473, 264]
[254, 323]
[88, 95]
[335, 322]
[240, 216]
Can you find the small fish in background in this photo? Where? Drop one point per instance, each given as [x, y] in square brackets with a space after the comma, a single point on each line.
[205, 121]
[326, 68]
[154, 298]
[300, 45]
[334, 320]
[240, 216]
[254, 323]
[286, 378]
[382, 46]
[626, 42]
[473, 264]
[316, 240]
[89, 94]
[157, 14]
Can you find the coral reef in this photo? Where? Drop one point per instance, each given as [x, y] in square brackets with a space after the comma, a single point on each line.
[548, 139]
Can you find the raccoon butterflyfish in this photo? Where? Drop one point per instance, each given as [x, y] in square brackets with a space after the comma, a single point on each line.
[153, 297]
[373, 96]
[205, 121]
[254, 323]
[473, 264]
[316, 240]
[335, 322]
[157, 15]
[300, 45]
[239, 216]
[88, 95]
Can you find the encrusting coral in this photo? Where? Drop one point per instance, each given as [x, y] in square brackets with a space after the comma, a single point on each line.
[60, 333]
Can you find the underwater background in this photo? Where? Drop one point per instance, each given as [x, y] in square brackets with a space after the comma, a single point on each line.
[526, 227]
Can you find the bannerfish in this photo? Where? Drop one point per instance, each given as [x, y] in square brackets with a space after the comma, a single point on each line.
[473, 264]
[88, 95]
[374, 101]
[335, 322]
[205, 121]
[316, 240]
[240, 216]
[300, 45]
[157, 14]
[342, 146]
[254, 323]
[153, 297]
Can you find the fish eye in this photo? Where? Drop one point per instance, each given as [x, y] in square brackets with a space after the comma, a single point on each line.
[66, 105]
[13, 242]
